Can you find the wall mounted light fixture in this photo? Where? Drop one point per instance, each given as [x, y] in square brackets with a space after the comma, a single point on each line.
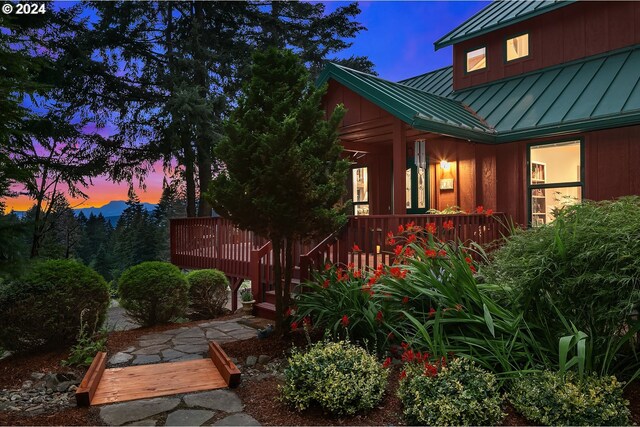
[444, 165]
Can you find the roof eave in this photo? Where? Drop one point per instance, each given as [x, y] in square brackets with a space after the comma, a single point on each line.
[605, 122]
[445, 41]
[422, 123]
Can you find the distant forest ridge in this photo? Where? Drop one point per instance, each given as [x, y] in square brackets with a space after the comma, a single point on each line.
[111, 211]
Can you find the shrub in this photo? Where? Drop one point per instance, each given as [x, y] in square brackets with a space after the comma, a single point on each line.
[586, 266]
[555, 399]
[338, 376]
[153, 292]
[44, 307]
[459, 393]
[207, 292]
[87, 346]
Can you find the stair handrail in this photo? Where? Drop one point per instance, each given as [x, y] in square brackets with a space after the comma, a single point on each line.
[306, 260]
[256, 258]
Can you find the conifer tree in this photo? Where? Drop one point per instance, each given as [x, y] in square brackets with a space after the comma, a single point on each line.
[284, 176]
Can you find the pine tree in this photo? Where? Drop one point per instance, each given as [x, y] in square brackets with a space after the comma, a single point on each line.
[284, 175]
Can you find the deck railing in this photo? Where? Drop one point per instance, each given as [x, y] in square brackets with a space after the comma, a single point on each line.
[198, 243]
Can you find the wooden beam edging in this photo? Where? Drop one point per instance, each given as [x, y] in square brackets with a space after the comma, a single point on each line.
[226, 367]
[89, 384]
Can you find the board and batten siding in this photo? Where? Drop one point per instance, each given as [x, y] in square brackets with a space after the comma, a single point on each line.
[572, 32]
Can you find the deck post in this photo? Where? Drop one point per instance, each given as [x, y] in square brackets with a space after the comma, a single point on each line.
[399, 167]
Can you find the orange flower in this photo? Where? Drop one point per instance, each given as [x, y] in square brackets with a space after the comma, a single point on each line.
[431, 228]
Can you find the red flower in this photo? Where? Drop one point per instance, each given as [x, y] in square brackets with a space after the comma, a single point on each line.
[489, 212]
[327, 267]
[288, 312]
[408, 252]
[294, 326]
[458, 307]
[405, 300]
[404, 345]
[430, 370]
[398, 272]
[345, 321]
[357, 274]
[356, 248]
[432, 312]
[431, 228]
[386, 362]
[403, 375]
[448, 225]
[400, 228]
[307, 321]
[430, 253]
[351, 266]
[379, 316]
[390, 240]
[480, 209]
[398, 250]
[411, 238]
[442, 253]
[325, 284]
[390, 336]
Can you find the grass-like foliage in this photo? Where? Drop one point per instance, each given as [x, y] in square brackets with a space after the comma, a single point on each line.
[44, 307]
[208, 292]
[582, 270]
[341, 378]
[552, 398]
[153, 292]
[457, 393]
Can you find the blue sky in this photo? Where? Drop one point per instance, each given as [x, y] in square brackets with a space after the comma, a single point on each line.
[400, 34]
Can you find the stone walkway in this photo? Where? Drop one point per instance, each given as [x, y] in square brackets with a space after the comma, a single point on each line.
[218, 407]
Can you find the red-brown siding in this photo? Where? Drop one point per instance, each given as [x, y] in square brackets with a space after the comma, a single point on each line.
[572, 32]
[611, 169]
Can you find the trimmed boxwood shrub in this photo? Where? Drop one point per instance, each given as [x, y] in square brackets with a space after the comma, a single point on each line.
[153, 292]
[338, 376]
[459, 393]
[207, 292]
[556, 399]
[44, 307]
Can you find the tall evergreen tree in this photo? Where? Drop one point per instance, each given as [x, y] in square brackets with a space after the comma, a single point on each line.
[172, 204]
[284, 175]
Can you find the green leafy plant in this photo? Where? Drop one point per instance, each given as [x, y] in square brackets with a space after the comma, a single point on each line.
[553, 398]
[586, 266]
[246, 295]
[87, 346]
[43, 308]
[208, 292]
[457, 393]
[153, 292]
[341, 378]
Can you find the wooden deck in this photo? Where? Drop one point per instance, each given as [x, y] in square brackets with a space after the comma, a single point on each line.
[162, 379]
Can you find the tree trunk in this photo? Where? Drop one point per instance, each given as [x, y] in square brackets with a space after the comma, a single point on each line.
[189, 174]
[277, 273]
[288, 272]
[205, 176]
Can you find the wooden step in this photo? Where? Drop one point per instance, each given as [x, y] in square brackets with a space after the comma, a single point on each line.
[270, 296]
[266, 310]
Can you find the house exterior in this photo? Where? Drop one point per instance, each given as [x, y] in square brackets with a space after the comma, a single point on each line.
[541, 108]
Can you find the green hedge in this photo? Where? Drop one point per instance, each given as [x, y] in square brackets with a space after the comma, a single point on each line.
[556, 399]
[208, 292]
[341, 378]
[153, 292]
[45, 306]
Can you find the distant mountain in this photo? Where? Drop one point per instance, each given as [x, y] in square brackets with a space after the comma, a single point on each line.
[112, 209]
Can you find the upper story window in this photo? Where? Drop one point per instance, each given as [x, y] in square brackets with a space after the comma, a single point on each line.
[477, 59]
[517, 47]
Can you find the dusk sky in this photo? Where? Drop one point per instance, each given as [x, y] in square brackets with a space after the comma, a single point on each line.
[399, 40]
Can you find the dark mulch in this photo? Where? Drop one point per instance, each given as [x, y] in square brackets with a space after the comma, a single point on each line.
[632, 394]
[16, 369]
[272, 346]
[67, 417]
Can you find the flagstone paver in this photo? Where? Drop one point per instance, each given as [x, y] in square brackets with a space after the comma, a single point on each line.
[182, 343]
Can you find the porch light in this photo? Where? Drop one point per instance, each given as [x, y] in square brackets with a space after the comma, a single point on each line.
[444, 165]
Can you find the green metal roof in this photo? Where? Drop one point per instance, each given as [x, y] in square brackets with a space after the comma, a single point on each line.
[598, 92]
[498, 14]
[421, 110]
